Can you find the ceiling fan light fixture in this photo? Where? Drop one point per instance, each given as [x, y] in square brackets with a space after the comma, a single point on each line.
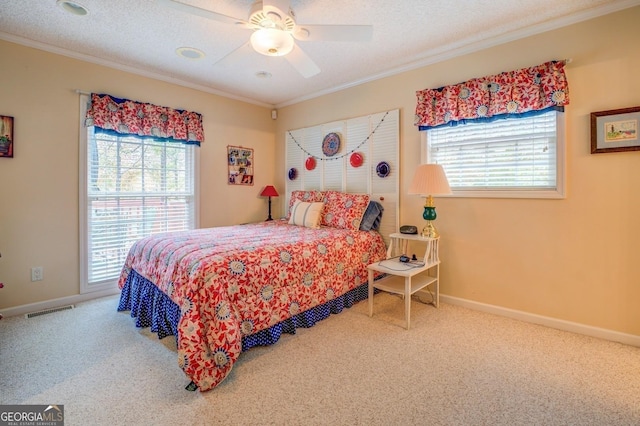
[272, 42]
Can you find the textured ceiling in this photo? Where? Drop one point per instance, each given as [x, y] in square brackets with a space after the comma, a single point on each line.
[142, 36]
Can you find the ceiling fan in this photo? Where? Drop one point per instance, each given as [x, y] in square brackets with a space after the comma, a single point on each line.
[274, 30]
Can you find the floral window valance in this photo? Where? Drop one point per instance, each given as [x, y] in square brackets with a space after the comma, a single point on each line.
[524, 91]
[123, 116]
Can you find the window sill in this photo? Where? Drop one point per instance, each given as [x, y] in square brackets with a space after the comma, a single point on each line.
[533, 194]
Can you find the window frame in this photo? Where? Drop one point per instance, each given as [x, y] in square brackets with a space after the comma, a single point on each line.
[559, 192]
[109, 286]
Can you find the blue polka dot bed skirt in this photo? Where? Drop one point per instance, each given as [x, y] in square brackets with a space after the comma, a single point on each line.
[154, 309]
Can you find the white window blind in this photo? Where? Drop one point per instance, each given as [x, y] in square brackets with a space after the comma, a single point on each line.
[521, 155]
[134, 187]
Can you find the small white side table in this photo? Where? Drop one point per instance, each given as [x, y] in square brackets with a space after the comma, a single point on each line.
[407, 278]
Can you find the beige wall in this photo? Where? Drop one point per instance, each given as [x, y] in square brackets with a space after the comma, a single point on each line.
[571, 259]
[39, 186]
[574, 259]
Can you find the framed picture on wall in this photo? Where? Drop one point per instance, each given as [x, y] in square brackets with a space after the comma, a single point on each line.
[240, 163]
[6, 136]
[615, 130]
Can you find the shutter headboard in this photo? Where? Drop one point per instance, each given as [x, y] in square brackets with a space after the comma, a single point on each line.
[376, 137]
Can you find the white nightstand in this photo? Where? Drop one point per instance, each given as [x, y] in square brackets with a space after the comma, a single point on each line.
[407, 278]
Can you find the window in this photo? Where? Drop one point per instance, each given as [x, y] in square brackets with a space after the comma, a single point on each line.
[131, 187]
[515, 157]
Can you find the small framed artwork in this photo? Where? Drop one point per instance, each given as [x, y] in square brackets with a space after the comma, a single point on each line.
[615, 130]
[240, 162]
[6, 136]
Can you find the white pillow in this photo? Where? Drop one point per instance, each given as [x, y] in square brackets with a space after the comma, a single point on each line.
[306, 214]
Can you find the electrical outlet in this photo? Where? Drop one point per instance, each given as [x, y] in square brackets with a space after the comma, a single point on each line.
[36, 273]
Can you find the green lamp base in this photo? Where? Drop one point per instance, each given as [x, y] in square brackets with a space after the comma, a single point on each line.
[429, 214]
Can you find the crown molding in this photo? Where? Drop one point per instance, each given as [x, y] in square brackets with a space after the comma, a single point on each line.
[464, 47]
[127, 68]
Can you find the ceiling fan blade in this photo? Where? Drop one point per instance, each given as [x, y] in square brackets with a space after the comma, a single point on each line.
[204, 13]
[333, 32]
[302, 62]
[234, 56]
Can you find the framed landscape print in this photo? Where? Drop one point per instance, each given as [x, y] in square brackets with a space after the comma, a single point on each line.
[240, 163]
[615, 130]
[6, 136]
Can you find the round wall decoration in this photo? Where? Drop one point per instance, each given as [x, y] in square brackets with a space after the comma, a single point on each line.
[383, 169]
[356, 159]
[331, 144]
[310, 164]
[293, 173]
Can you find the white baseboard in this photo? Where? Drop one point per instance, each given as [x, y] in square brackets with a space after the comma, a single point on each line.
[601, 333]
[54, 303]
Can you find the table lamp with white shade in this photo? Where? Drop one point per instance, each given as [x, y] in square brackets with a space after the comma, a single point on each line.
[429, 180]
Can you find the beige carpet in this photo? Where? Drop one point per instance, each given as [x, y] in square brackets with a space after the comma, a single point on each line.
[454, 367]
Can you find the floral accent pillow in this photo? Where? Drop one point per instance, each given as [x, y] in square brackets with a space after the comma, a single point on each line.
[306, 196]
[306, 214]
[344, 211]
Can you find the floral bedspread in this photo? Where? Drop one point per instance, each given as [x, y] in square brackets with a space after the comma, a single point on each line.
[234, 281]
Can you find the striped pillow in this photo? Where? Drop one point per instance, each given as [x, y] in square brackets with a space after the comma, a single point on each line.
[306, 214]
[310, 196]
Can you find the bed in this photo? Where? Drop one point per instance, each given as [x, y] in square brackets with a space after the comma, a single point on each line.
[223, 290]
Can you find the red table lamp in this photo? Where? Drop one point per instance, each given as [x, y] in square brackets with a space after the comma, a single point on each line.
[269, 191]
